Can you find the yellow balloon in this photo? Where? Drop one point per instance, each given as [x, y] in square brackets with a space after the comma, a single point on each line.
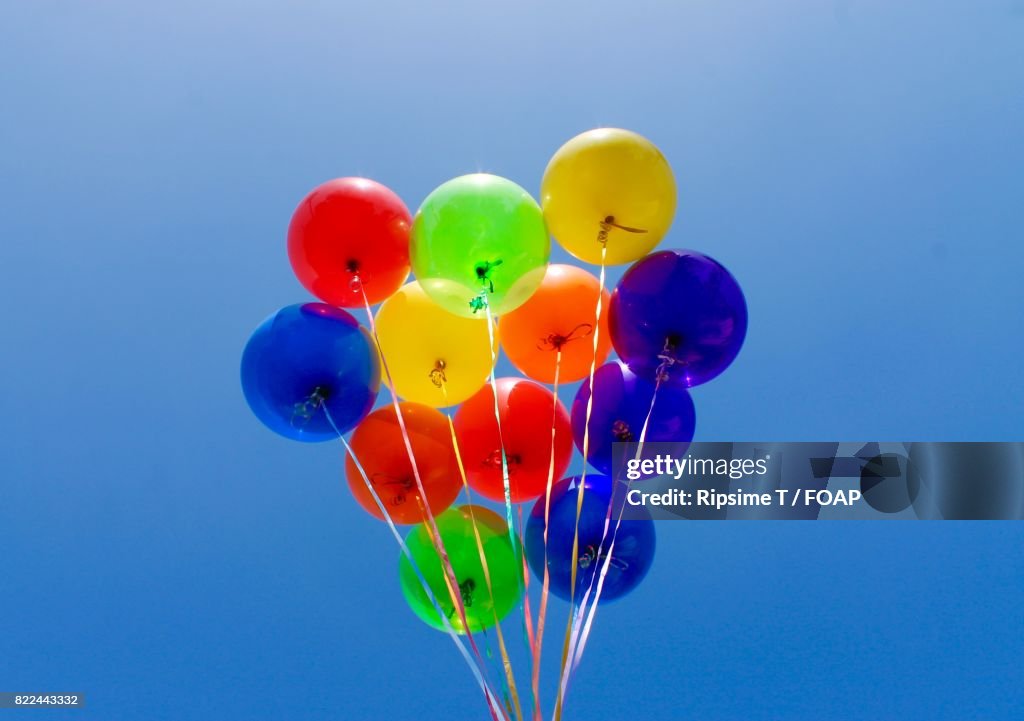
[608, 185]
[434, 357]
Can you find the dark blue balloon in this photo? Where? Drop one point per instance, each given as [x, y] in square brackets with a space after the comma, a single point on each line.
[621, 403]
[306, 359]
[631, 556]
[678, 312]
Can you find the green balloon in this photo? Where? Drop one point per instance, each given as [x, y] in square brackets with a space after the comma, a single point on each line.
[504, 563]
[479, 234]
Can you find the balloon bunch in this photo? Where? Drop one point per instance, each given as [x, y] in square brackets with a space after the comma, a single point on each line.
[479, 247]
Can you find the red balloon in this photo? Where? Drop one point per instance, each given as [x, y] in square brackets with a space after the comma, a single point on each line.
[349, 228]
[526, 410]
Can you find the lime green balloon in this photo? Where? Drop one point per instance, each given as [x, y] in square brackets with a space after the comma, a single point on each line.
[504, 562]
[479, 234]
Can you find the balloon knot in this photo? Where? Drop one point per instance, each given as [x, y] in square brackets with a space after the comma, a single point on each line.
[404, 484]
[493, 460]
[466, 589]
[588, 557]
[483, 273]
[437, 376]
[478, 302]
[621, 431]
[606, 226]
[593, 554]
[304, 410]
[555, 341]
[667, 358]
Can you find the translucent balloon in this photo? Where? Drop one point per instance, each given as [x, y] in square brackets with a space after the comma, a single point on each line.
[558, 317]
[350, 228]
[504, 564]
[379, 446]
[479, 234]
[434, 357]
[622, 401]
[527, 410]
[307, 359]
[678, 313]
[608, 185]
[631, 556]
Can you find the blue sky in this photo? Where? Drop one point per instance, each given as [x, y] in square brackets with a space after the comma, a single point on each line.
[856, 165]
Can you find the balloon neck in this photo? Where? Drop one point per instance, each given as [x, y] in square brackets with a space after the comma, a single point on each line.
[483, 269]
[493, 460]
[304, 410]
[466, 589]
[588, 557]
[483, 272]
[621, 431]
[608, 224]
[437, 375]
[555, 341]
[593, 554]
[399, 485]
[668, 358]
[321, 393]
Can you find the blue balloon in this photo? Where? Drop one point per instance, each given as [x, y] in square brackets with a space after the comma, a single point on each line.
[631, 556]
[622, 401]
[304, 360]
[679, 314]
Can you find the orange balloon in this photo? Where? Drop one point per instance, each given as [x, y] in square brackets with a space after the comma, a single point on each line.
[378, 444]
[559, 315]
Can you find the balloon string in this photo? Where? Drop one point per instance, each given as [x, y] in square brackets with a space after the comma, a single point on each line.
[431, 525]
[575, 610]
[509, 674]
[482, 297]
[524, 603]
[493, 705]
[585, 634]
[538, 643]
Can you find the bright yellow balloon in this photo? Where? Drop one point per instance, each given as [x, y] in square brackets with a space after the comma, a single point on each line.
[608, 185]
[434, 357]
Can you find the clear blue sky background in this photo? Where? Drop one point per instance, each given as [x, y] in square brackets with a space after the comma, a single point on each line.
[858, 166]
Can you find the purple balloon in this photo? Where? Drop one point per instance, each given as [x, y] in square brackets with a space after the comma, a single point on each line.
[621, 403]
[680, 314]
